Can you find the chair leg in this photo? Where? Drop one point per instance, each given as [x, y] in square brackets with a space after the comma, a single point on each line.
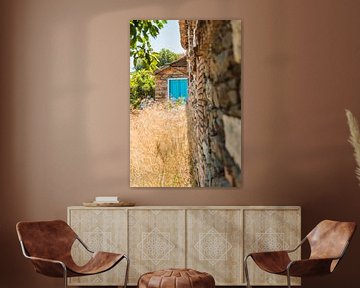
[288, 278]
[246, 270]
[127, 271]
[65, 276]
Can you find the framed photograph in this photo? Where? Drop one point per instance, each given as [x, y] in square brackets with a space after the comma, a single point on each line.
[185, 103]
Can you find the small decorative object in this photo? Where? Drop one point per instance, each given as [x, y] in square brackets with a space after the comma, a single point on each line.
[108, 201]
[107, 204]
[354, 139]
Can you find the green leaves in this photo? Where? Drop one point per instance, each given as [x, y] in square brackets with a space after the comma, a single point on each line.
[140, 47]
[142, 86]
[167, 56]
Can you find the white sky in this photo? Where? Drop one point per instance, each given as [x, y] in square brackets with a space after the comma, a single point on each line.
[169, 37]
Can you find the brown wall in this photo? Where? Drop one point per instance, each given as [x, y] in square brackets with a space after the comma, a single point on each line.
[64, 113]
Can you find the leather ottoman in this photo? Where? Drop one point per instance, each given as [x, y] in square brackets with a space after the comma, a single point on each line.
[176, 278]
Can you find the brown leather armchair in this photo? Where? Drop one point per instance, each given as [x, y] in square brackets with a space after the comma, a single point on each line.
[328, 242]
[48, 245]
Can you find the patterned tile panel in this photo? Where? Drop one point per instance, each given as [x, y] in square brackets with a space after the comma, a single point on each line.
[214, 242]
[156, 246]
[213, 246]
[100, 230]
[270, 230]
[157, 241]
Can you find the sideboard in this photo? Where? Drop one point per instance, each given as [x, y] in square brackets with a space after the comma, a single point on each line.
[213, 239]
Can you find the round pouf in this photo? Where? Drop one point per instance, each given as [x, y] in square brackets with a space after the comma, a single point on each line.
[176, 278]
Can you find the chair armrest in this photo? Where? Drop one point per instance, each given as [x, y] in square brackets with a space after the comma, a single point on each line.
[268, 253]
[45, 260]
[309, 267]
[83, 244]
[48, 267]
[271, 261]
[280, 251]
[298, 246]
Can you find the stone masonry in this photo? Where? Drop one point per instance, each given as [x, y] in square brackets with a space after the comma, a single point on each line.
[176, 69]
[213, 50]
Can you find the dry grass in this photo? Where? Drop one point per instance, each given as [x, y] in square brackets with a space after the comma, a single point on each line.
[159, 149]
[354, 139]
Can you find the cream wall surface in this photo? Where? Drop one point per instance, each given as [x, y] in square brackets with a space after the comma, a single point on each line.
[64, 113]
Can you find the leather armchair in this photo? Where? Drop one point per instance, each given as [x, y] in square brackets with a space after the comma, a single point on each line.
[48, 245]
[328, 242]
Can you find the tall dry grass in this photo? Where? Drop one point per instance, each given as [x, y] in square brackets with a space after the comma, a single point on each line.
[159, 149]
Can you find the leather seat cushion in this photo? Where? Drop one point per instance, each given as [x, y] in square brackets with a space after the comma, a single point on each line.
[176, 278]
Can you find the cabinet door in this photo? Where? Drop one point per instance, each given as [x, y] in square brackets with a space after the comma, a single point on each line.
[271, 230]
[100, 230]
[214, 244]
[156, 240]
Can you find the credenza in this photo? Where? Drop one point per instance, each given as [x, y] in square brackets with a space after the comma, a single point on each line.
[212, 239]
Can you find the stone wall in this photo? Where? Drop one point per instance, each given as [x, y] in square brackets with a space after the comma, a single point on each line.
[214, 105]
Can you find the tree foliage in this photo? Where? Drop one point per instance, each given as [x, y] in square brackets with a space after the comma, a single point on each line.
[140, 47]
[164, 56]
[142, 86]
[167, 56]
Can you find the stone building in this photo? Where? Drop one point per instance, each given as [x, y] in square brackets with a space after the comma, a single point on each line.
[171, 81]
[213, 50]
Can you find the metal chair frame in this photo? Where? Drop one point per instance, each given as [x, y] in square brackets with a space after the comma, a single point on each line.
[23, 249]
[246, 270]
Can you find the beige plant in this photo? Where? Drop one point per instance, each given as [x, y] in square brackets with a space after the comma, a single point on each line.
[354, 139]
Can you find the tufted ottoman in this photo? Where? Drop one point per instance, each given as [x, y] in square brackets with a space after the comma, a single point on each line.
[176, 278]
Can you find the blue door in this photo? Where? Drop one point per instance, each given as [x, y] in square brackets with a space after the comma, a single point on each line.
[178, 88]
